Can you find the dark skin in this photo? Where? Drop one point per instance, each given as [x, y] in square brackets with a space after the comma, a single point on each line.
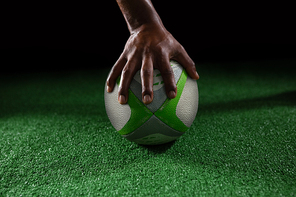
[149, 46]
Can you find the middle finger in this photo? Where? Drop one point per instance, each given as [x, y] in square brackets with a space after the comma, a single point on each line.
[147, 80]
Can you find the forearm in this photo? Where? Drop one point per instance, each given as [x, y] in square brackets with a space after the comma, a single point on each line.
[138, 13]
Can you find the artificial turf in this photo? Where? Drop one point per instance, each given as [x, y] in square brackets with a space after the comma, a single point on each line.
[56, 139]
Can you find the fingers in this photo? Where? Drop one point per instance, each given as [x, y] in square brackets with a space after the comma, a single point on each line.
[115, 72]
[127, 75]
[147, 80]
[184, 59]
[127, 67]
[167, 74]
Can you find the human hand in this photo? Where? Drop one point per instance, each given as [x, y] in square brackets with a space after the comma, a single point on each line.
[151, 46]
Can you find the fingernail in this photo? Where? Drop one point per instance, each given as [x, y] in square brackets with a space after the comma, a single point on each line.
[147, 99]
[121, 99]
[108, 89]
[172, 94]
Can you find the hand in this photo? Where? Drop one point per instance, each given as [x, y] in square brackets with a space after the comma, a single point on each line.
[151, 46]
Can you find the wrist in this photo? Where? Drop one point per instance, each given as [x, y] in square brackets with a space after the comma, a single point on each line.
[139, 13]
[149, 26]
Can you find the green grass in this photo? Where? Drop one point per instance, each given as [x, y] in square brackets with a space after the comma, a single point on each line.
[56, 140]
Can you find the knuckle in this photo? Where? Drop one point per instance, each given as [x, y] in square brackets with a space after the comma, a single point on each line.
[146, 91]
[191, 63]
[193, 67]
[162, 50]
[171, 86]
[126, 71]
[147, 50]
[167, 71]
[122, 91]
[108, 82]
[146, 72]
[147, 88]
[181, 48]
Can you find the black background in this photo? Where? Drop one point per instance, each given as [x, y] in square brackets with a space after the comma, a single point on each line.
[70, 35]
